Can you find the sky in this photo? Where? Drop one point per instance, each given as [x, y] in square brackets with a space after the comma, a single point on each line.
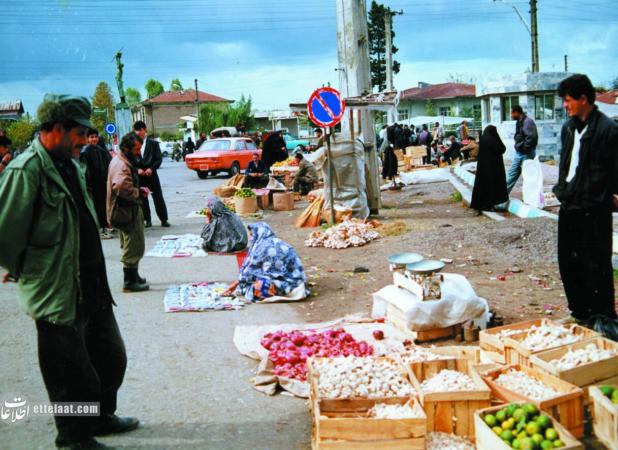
[278, 52]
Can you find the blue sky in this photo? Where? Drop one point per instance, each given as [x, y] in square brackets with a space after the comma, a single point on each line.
[279, 51]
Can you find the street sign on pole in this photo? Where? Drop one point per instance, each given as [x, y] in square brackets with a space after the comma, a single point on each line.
[99, 111]
[326, 108]
[110, 128]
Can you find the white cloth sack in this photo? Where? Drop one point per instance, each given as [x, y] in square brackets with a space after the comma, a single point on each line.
[459, 303]
[425, 176]
[533, 183]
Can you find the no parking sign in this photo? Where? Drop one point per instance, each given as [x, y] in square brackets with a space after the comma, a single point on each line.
[326, 107]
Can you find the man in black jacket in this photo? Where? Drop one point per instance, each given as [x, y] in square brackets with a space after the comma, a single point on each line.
[148, 164]
[526, 139]
[95, 160]
[587, 189]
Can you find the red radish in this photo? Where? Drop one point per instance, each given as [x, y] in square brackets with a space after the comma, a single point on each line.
[378, 335]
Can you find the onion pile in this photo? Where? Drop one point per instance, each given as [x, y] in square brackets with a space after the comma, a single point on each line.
[549, 336]
[350, 233]
[574, 358]
[289, 350]
[448, 381]
[384, 411]
[525, 385]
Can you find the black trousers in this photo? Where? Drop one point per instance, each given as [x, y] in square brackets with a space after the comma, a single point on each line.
[303, 185]
[99, 198]
[256, 182]
[152, 182]
[585, 260]
[84, 362]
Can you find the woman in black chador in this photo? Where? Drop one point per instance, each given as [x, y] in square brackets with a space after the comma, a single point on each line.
[490, 183]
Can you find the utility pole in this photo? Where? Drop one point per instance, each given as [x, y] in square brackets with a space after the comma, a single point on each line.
[355, 76]
[534, 34]
[388, 27]
[566, 63]
[197, 102]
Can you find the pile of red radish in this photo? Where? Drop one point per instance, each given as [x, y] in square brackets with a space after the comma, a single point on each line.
[289, 350]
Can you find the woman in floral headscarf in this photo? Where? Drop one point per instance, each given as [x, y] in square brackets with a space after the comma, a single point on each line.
[272, 268]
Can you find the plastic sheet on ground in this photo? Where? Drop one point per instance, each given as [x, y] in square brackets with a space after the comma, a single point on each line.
[204, 296]
[459, 303]
[182, 246]
[424, 176]
[247, 342]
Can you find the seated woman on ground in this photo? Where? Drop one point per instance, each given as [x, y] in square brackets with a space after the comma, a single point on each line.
[272, 268]
[224, 232]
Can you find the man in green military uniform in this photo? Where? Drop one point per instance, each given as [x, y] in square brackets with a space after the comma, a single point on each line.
[49, 242]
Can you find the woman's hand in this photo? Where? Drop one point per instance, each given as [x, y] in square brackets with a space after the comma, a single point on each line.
[230, 290]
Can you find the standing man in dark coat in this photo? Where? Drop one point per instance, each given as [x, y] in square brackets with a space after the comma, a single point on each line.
[588, 192]
[526, 139]
[148, 164]
[95, 160]
[490, 181]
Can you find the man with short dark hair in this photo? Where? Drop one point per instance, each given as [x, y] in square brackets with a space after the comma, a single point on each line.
[588, 192]
[49, 242]
[148, 164]
[96, 162]
[453, 151]
[255, 175]
[5, 154]
[200, 141]
[306, 176]
[526, 140]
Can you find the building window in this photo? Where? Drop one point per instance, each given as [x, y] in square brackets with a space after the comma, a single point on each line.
[445, 110]
[487, 106]
[544, 107]
[507, 104]
[402, 114]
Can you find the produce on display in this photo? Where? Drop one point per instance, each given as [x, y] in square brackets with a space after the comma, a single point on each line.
[448, 380]
[420, 354]
[350, 233]
[289, 350]
[384, 411]
[353, 377]
[509, 332]
[548, 336]
[523, 426]
[244, 193]
[288, 162]
[523, 384]
[378, 335]
[610, 392]
[446, 441]
[574, 358]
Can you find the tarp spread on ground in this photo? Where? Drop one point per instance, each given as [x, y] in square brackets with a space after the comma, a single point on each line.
[182, 246]
[204, 296]
[247, 342]
[424, 176]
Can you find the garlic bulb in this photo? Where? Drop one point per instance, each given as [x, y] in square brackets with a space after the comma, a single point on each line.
[384, 411]
[351, 377]
[510, 332]
[574, 358]
[420, 354]
[549, 336]
[447, 381]
[350, 233]
[445, 441]
[525, 385]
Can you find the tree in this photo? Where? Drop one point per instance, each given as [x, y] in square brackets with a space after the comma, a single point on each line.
[154, 88]
[21, 132]
[615, 83]
[215, 115]
[377, 45]
[133, 96]
[176, 85]
[102, 98]
[430, 109]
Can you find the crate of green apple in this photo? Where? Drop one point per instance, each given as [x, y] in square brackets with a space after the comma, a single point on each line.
[605, 409]
[520, 426]
[289, 350]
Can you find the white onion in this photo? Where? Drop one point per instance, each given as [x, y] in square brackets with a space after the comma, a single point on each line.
[445, 441]
[384, 411]
[574, 358]
[549, 336]
[525, 385]
[447, 381]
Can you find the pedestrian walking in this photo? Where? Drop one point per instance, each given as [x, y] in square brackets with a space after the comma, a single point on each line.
[124, 212]
[148, 164]
[95, 161]
[49, 243]
[588, 192]
[526, 140]
[490, 181]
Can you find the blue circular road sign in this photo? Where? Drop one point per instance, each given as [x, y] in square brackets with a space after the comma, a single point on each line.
[326, 107]
[110, 128]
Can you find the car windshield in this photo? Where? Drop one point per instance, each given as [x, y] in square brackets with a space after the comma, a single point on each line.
[223, 144]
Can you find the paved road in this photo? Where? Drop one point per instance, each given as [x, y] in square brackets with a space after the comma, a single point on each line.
[185, 379]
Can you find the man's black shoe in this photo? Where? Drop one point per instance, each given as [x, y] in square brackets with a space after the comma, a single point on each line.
[112, 424]
[165, 224]
[87, 444]
[148, 224]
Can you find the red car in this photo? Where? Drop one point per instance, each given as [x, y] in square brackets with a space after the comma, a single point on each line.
[230, 155]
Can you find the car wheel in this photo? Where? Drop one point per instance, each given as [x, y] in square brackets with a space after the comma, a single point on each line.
[164, 154]
[214, 173]
[202, 174]
[235, 169]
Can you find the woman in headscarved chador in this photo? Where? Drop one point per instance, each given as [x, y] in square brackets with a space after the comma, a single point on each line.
[224, 232]
[271, 270]
[490, 181]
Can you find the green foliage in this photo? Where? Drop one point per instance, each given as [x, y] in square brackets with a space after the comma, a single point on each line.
[215, 115]
[456, 196]
[430, 108]
[133, 96]
[615, 83]
[102, 98]
[166, 136]
[176, 85]
[21, 132]
[377, 45]
[154, 88]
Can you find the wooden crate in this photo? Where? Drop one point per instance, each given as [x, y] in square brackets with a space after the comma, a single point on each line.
[586, 375]
[605, 423]
[395, 316]
[486, 439]
[341, 430]
[567, 406]
[451, 412]
[348, 405]
[517, 353]
[493, 346]
[470, 352]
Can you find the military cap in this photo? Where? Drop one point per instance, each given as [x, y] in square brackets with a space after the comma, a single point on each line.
[63, 108]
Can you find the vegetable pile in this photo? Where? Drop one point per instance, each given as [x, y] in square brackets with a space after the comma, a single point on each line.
[445, 441]
[548, 336]
[420, 354]
[574, 358]
[244, 193]
[448, 381]
[524, 427]
[289, 350]
[525, 385]
[384, 411]
[350, 233]
[610, 392]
